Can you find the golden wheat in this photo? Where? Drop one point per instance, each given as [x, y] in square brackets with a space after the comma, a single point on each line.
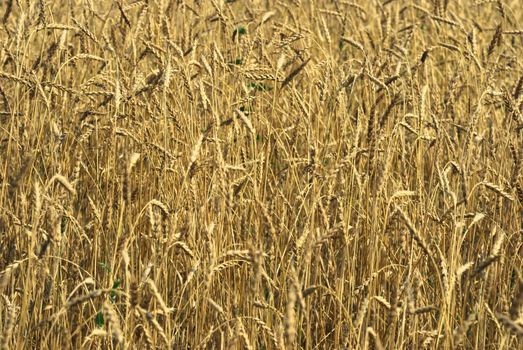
[261, 174]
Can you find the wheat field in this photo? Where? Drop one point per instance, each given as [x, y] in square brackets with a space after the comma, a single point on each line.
[261, 174]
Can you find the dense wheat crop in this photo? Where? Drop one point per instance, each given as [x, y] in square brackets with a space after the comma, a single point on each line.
[291, 174]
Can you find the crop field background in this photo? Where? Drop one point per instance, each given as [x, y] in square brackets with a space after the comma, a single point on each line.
[291, 174]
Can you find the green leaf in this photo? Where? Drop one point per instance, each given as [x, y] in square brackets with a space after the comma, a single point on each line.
[238, 32]
[259, 87]
[105, 267]
[99, 319]
[267, 294]
[115, 286]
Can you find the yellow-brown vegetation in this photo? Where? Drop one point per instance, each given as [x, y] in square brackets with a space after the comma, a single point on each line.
[261, 174]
